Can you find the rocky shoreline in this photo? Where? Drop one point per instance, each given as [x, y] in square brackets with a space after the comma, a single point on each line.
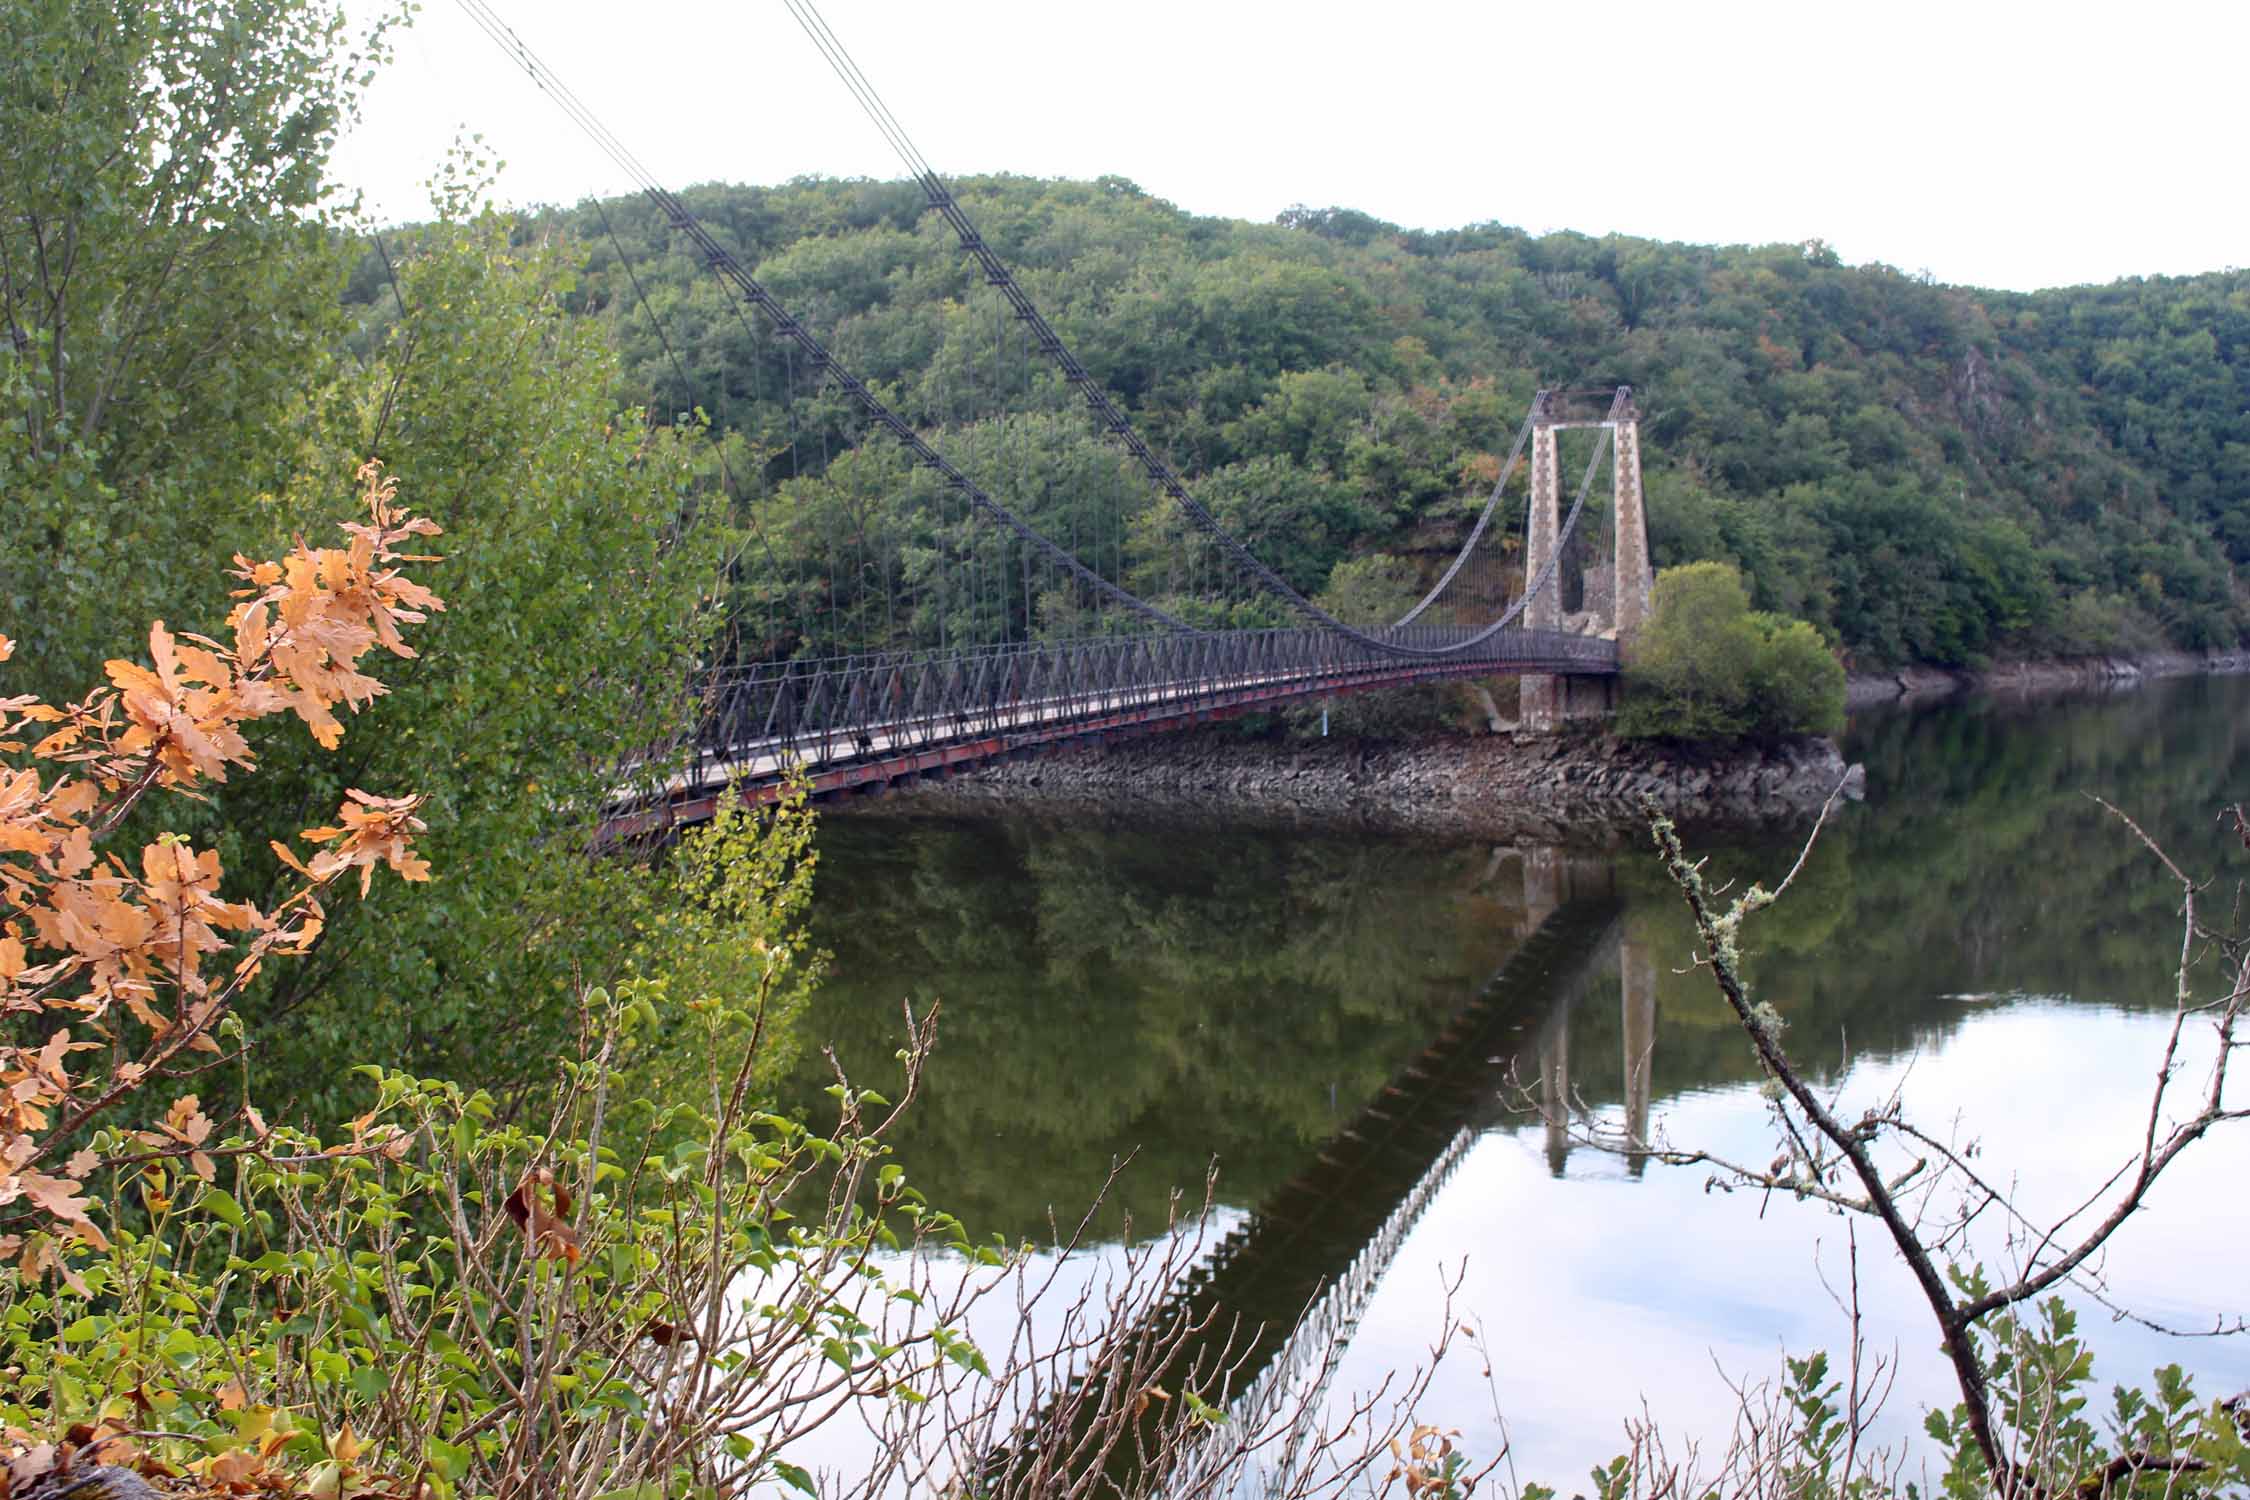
[1575, 788]
[2028, 678]
[1580, 787]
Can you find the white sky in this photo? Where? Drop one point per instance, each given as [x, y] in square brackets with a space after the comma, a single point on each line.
[1994, 144]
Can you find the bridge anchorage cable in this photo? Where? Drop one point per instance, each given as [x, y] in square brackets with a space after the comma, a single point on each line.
[732, 274]
[1111, 418]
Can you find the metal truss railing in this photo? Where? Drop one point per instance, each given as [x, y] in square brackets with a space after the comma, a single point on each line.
[823, 711]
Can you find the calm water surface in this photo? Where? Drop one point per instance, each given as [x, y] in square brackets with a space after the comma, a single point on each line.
[1365, 1034]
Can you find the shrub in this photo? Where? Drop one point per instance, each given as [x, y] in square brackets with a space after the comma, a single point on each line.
[658, 1291]
[1708, 667]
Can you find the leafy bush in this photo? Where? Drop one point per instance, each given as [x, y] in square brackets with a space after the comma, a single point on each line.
[1708, 667]
[1808, 1436]
[445, 1298]
[660, 1290]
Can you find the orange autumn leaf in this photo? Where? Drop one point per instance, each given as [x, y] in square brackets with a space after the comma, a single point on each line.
[57, 1196]
[374, 830]
[149, 955]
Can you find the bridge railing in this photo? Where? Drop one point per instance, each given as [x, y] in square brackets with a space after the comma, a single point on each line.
[821, 710]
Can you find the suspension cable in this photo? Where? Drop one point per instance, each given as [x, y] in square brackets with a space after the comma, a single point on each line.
[731, 271]
[1096, 397]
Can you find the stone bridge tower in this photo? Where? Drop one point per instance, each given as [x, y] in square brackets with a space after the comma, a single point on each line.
[1546, 699]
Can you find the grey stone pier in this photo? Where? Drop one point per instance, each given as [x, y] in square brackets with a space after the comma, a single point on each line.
[1541, 700]
[1630, 582]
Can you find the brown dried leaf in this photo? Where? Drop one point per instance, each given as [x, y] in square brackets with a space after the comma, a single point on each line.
[26, 1468]
[546, 1229]
[664, 1335]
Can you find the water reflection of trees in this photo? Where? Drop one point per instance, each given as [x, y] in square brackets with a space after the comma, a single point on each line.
[1978, 868]
[1195, 992]
[1181, 993]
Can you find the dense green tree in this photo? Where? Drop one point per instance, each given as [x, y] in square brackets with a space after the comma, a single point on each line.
[192, 366]
[1796, 683]
[1925, 473]
[1708, 667]
[168, 291]
[574, 529]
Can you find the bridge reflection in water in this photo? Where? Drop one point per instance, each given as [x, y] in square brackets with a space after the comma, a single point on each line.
[1278, 1297]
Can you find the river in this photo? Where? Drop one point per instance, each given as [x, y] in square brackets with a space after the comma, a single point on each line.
[1395, 1088]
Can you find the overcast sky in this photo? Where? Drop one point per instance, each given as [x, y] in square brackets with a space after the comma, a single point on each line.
[2004, 145]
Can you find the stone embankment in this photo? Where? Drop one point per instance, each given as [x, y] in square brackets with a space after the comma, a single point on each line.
[1569, 788]
[2033, 677]
[1578, 787]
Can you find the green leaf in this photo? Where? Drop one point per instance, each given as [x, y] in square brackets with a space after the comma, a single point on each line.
[451, 1461]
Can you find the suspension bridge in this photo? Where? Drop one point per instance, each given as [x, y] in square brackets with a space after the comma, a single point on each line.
[865, 721]
[975, 609]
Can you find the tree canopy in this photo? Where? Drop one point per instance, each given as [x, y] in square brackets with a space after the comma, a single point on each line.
[1925, 473]
[188, 369]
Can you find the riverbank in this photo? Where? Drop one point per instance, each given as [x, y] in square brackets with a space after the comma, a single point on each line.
[2031, 678]
[1579, 788]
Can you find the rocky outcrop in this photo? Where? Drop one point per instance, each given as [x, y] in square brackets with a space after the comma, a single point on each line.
[1558, 788]
[2053, 675]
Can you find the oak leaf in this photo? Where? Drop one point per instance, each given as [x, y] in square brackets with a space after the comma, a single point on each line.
[57, 1196]
[87, 933]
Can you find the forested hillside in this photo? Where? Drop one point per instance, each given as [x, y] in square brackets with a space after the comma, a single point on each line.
[1928, 473]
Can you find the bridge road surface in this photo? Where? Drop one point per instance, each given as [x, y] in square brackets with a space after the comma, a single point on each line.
[873, 754]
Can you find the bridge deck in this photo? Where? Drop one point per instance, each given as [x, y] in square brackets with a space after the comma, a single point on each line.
[859, 724]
